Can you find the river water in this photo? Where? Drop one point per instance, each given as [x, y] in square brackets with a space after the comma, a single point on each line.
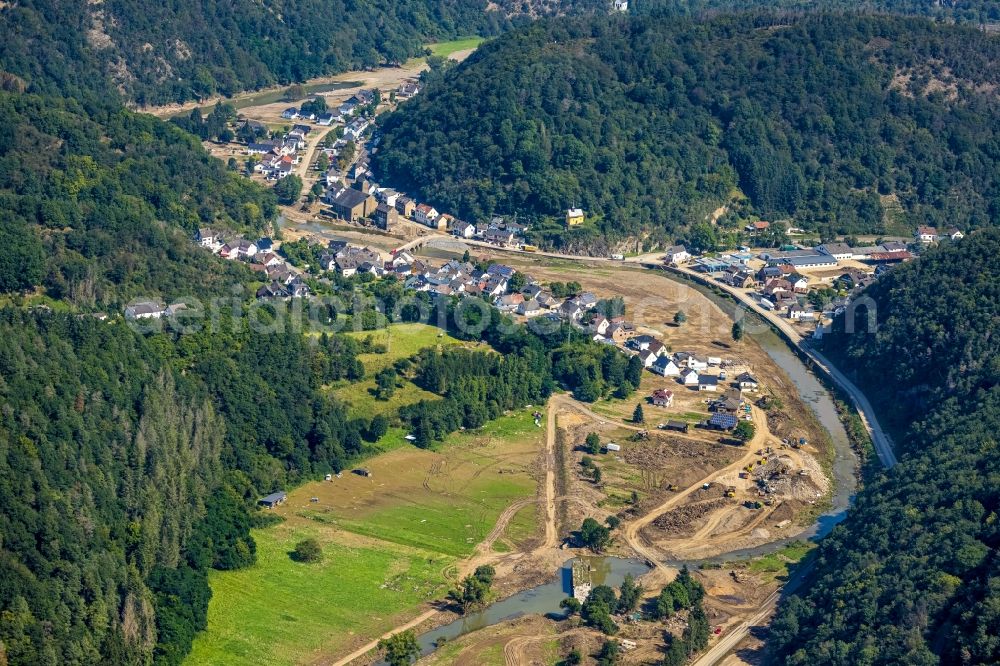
[541, 600]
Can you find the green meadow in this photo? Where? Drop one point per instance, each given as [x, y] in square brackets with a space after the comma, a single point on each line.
[388, 541]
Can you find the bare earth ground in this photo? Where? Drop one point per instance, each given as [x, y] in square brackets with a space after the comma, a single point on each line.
[692, 522]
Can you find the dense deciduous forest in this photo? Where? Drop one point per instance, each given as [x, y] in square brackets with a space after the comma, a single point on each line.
[842, 123]
[99, 205]
[969, 11]
[127, 463]
[911, 577]
[156, 53]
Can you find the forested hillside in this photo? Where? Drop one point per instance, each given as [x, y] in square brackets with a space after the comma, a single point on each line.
[912, 576]
[162, 52]
[126, 466]
[99, 205]
[649, 124]
[971, 11]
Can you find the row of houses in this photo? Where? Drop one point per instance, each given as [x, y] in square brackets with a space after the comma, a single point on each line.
[283, 281]
[343, 112]
[497, 231]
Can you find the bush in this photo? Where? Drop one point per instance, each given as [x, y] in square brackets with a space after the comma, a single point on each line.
[308, 550]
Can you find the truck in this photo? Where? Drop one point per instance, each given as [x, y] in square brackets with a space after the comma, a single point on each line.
[618, 257]
[529, 248]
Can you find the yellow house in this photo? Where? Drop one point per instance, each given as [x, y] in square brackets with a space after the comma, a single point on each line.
[574, 217]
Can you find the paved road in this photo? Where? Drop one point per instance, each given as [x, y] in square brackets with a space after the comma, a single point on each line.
[883, 445]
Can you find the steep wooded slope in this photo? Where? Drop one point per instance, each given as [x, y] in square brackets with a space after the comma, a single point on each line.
[649, 124]
[911, 577]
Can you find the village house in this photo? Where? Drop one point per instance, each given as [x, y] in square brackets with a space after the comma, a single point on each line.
[599, 325]
[620, 332]
[426, 215]
[570, 310]
[663, 398]
[407, 89]
[801, 313]
[665, 366]
[692, 361]
[689, 377]
[800, 285]
[776, 287]
[708, 383]
[405, 206]
[385, 217]
[722, 421]
[747, 381]
[648, 358]
[351, 204]
[574, 217]
[926, 234]
[275, 290]
[641, 342]
[208, 237]
[758, 226]
[463, 230]
[676, 255]
[499, 236]
[529, 308]
[144, 310]
[741, 279]
[267, 259]
[509, 302]
[353, 260]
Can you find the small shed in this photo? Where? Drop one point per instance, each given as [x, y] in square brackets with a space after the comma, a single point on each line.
[679, 426]
[273, 500]
[363, 471]
[613, 447]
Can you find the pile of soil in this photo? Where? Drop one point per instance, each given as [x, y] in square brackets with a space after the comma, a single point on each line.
[680, 521]
[659, 451]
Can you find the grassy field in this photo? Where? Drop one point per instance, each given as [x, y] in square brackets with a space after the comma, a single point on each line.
[401, 341]
[447, 48]
[284, 612]
[362, 401]
[776, 565]
[387, 541]
[524, 526]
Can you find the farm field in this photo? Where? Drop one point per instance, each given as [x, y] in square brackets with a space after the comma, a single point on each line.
[389, 543]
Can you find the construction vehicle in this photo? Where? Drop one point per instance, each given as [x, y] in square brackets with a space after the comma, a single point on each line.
[731, 492]
[673, 487]
[529, 248]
